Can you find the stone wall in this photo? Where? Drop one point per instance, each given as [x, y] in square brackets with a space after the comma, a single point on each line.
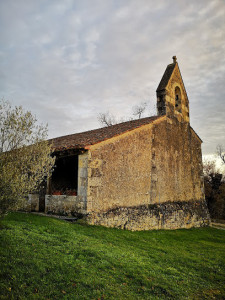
[170, 215]
[64, 205]
[157, 164]
[176, 173]
[119, 171]
[83, 178]
[31, 203]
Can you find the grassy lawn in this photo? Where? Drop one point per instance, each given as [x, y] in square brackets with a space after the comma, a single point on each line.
[46, 258]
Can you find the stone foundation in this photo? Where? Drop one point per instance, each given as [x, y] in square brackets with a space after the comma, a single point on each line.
[170, 215]
[31, 203]
[64, 205]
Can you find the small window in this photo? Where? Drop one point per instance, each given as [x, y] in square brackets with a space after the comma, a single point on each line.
[178, 99]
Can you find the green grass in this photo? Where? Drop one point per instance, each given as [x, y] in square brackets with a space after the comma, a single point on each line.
[46, 258]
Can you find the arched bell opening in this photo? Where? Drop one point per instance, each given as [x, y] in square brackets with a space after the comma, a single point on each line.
[178, 99]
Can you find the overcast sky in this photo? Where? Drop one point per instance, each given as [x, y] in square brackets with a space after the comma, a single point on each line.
[69, 60]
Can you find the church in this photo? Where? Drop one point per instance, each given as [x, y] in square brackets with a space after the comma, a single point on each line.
[137, 175]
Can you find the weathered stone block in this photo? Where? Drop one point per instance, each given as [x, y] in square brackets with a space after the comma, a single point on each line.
[64, 205]
[170, 215]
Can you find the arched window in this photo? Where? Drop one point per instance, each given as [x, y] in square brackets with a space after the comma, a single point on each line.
[178, 99]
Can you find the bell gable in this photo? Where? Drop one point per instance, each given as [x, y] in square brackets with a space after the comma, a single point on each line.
[172, 99]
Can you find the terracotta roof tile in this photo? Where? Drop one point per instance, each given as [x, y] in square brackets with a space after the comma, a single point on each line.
[166, 77]
[80, 140]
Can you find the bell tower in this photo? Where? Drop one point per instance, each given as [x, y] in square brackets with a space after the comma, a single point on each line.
[172, 99]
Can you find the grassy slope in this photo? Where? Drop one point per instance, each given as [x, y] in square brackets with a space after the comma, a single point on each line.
[46, 258]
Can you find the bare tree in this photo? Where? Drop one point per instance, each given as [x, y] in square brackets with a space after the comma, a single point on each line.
[25, 155]
[221, 152]
[138, 110]
[214, 189]
[209, 168]
[107, 119]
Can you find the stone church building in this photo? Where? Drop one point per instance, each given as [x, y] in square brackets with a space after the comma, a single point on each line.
[138, 175]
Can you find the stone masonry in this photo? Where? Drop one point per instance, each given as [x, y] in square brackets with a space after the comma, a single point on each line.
[137, 175]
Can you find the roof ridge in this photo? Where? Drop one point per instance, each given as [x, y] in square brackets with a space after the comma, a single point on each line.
[91, 137]
[166, 76]
[91, 130]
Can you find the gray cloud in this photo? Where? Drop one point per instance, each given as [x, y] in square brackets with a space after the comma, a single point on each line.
[69, 60]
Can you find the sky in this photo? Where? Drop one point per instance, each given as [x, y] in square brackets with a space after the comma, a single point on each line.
[68, 61]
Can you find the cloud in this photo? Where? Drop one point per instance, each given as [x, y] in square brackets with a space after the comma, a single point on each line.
[69, 60]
